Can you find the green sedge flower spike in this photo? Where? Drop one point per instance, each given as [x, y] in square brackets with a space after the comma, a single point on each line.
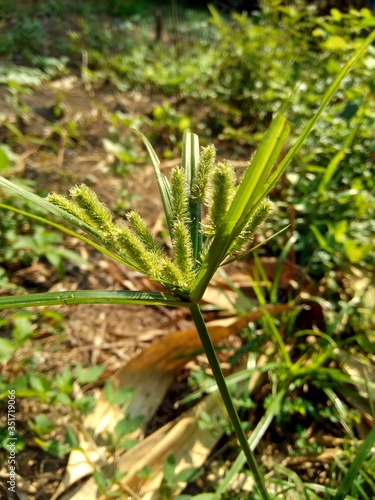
[213, 185]
[171, 276]
[69, 206]
[129, 245]
[205, 168]
[99, 215]
[180, 196]
[183, 250]
[259, 215]
[222, 190]
[141, 230]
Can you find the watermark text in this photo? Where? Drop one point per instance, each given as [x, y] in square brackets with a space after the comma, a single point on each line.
[11, 441]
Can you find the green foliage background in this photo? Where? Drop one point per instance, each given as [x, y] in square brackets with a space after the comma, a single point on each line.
[224, 77]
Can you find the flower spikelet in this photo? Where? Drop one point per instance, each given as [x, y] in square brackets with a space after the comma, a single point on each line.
[170, 274]
[69, 206]
[129, 245]
[223, 188]
[141, 230]
[183, 250]
[179, 195]
[260, 214]
[205, 167]
[99, 215]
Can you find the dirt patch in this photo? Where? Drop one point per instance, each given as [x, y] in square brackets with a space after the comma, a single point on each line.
[109, 335]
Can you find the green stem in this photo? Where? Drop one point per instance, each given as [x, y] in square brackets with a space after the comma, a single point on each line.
[255, 437]
[233, 415]
[352, 472]
[91, 297]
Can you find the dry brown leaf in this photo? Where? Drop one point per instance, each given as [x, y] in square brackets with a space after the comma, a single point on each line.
[183, 439]
[360, 371]
[86, 491]
[153, 370]
[24, 487]
[150, 375]
[362, 375]
[291, 275]
[81, 464]
[221, 299]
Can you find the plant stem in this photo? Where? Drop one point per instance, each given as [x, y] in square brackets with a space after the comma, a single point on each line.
[255, 437]
[232, 412]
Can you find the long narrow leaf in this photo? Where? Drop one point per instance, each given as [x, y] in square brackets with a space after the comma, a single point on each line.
[47, 206]
[277, 273]
[190, 155]
[324, 103]
[91, 297]
[68, 231]
[340, 155]
[163, 183]
[253, 441]
[251, 188]
[249, 191]
[252, 249]
[351, 475]
[252, 185]
[190, 160]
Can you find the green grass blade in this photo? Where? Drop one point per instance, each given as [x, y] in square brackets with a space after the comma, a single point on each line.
[277, 274]
[250, 191]
[340, 155]
[294, 483]
[351, 475]
[255, 186]
[190, 161]
[252, 249]
[47, 206]
[228, 402]
[324, 103]
[92, 297]
[355, 487]
[341, 410]
[253, 441]
[190, 155]
[70, 232]
[252, 186]
[163, 183]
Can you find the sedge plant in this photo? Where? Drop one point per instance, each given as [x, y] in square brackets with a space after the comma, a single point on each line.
[200, 245]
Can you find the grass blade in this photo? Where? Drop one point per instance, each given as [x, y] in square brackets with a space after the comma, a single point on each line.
[253, 441]
[251, 188]
[324, 103]
[340, 155]
[190, 155]
[255, 186]
[277, 274]
[163, 183]
[228, 402]
[190, 160]
[351, 475]
[70, 232]
[92, 297]
[249, 192]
